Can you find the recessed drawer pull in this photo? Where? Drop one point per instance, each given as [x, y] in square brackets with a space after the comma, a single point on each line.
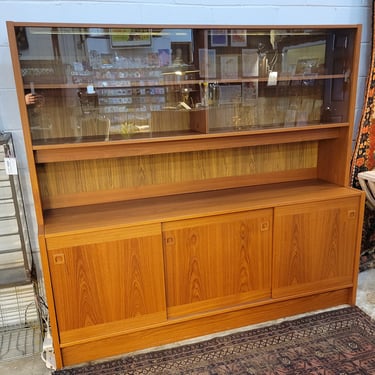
[352, 214]
[265, 225]
[59, 259]
[169, 240]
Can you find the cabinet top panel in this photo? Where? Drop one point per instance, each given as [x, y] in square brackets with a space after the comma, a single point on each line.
[89, 83]
[67, 221]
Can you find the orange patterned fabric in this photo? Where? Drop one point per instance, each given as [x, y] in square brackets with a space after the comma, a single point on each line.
[364, 160]
[363, 156]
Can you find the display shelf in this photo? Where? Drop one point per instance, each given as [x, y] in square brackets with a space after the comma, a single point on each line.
[171, 143]
[116, 83]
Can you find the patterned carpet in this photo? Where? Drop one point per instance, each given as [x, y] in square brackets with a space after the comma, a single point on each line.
[332, 342]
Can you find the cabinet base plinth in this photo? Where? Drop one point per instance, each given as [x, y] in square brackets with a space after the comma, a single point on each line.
[173, 331]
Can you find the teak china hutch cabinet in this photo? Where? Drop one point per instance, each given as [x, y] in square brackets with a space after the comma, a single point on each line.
[187, 180]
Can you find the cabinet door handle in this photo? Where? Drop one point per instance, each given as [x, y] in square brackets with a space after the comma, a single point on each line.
[169, 240]
[352, 214]
[58, 259]
[265, 225]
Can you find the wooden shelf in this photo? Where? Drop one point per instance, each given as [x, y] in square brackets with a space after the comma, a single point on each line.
[68, 221]
[59, 152]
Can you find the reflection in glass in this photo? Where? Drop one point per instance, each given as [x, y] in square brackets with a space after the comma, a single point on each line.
[134, 82]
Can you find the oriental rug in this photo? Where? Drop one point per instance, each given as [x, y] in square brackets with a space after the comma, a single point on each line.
[340, 341]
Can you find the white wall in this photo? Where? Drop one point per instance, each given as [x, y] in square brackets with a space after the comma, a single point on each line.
[179, 12]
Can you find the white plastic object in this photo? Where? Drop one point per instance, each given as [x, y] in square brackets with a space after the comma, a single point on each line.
[48, 355]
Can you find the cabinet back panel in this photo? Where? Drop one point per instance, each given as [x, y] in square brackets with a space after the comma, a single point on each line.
[80, 182]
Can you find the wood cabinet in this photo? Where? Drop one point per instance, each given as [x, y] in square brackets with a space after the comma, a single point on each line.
[188, 180]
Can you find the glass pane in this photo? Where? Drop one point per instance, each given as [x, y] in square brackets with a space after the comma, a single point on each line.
[90, 84]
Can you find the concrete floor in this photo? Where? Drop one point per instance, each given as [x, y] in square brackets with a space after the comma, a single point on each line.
[25, 366]
[33, 365]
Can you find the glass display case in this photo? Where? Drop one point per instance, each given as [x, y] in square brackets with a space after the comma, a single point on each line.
[104, 84]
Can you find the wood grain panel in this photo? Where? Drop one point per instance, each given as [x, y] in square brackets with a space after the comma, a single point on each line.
[139, 172]
[149, 191]
[86, 238]
[217, 261]
[340, 158]
[170, 120]
[314, 246]
[105, 282]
